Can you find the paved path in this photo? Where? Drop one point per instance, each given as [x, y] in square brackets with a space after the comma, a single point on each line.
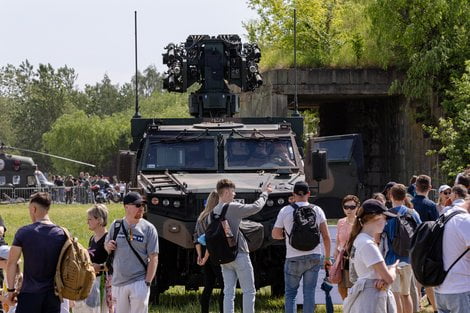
[320, 294]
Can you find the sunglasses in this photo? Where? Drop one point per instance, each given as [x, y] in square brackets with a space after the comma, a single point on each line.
[138, 205]
[447, 193]
[349, 207]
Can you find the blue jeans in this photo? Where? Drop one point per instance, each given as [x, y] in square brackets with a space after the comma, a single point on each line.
[453, 303]
[242, 269]
[306, 267]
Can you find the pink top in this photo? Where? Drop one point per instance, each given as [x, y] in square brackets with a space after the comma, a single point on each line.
[343, 231]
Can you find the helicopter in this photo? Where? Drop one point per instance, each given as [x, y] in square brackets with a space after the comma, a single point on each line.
[18, 171]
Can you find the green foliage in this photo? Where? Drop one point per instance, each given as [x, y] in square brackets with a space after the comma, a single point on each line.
[104, 98]
[329, 32]
[7, 135]
[90, 139]
[453, 131]
[427, 39]
[43, 110]
[36, 99]
[165, 105]
[311, 121]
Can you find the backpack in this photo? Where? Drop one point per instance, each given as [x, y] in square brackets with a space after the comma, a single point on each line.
[426, 252]
[220, 242]
[305, 234]
[253, 233]
[74, 274]
[405, 226]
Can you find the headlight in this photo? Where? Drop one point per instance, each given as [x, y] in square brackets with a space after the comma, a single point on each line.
[270, 202]
[166, 202]
[177, 204]
[281, 201]
[155, 201]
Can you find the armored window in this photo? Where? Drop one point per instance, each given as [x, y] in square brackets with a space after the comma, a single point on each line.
[16, 179]
[31, 180]
[180, 155]
[338, 150]
[259, 153]
[3, 180]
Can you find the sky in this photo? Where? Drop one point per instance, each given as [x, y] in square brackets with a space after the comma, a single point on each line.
[96, 37]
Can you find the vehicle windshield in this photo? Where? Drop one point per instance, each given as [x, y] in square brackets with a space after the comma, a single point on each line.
[259, 153]
[180, 155]
[337, 150]
[40, 177]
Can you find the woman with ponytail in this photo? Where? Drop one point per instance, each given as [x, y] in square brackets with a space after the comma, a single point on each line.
[211, 271]
[371, 292]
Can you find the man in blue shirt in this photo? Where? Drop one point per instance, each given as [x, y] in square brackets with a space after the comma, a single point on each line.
[426, 208]
[402, 285]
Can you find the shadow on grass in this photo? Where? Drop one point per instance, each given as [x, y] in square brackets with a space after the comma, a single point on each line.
[176, 299]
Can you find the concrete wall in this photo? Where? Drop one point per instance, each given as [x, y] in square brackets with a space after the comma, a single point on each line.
[354, 101]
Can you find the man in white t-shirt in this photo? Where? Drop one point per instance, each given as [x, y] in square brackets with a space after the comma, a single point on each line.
[453, 295]
[301, 264]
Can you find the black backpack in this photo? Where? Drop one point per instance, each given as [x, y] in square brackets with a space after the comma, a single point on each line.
[405, 227]
[222, 248]
[426, 252]
[253, 233]
[305, 234]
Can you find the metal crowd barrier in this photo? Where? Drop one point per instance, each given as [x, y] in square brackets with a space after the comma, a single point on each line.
[75, 194]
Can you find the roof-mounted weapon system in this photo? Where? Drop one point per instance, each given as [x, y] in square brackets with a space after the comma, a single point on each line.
[215, 63]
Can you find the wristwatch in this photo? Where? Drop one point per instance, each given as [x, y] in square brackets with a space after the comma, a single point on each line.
[148, 283]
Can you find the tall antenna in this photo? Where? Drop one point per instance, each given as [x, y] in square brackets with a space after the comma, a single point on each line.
[136, 114]
[296, 102]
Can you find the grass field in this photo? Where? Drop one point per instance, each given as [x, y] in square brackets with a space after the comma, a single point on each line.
[175, 300]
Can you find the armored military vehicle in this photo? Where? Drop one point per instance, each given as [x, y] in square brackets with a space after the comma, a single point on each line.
[176, 163]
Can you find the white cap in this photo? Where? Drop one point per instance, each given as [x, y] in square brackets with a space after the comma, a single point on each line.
[444, 187]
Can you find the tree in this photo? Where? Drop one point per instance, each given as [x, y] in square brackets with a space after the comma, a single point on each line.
[453, 131]
[329, 32]
[7, 135]
[427, 39]
[104, 98]
[149, 82]
[87, 138]
[36, 99]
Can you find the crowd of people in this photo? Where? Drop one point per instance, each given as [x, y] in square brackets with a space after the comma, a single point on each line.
[122, 284]
[376, 275]
[85, 188]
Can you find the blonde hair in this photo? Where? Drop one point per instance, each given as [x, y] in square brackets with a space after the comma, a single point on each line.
[211, 202]
[100, 212]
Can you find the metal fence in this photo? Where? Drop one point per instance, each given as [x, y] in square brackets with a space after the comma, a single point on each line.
[65, 195]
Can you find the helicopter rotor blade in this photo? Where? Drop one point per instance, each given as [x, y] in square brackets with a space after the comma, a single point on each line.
[51, 155]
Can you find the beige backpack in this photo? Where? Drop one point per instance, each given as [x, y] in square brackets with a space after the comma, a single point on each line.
[74, 275]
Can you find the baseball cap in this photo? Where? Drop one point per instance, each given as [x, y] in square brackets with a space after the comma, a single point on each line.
[389, 185]
[301, 188]
[373, 206]
[133, 198]
[444, 187]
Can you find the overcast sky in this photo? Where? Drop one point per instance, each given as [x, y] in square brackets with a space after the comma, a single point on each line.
[97, 36]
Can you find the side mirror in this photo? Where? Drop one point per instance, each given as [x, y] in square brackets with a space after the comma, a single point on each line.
[319, 165]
